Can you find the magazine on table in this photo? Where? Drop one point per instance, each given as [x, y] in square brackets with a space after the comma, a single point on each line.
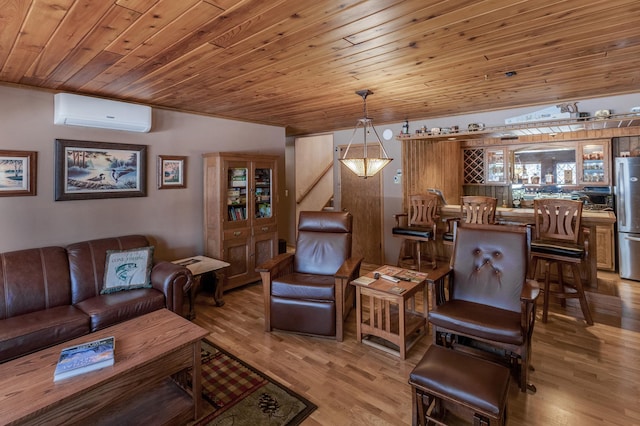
[85, 357]
[403, 274]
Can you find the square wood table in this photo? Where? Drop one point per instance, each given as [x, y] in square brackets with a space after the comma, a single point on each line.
[387, 315]
[200, 265]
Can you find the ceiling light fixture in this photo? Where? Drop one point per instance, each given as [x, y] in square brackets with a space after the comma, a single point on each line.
[365, 166]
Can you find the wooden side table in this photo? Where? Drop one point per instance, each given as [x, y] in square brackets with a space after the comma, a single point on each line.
[200, 265]
[391, 319]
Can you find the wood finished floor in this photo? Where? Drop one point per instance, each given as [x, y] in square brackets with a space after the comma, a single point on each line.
[584, 375]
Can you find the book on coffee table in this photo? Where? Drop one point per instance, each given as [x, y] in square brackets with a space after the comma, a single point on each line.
[83, 358]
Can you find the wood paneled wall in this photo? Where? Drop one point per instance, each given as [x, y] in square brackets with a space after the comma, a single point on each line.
[432, 164]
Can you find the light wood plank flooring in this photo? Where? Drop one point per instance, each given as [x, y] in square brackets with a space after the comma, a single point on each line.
[584, 375]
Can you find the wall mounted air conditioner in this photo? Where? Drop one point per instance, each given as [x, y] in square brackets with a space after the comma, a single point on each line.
[76, 110]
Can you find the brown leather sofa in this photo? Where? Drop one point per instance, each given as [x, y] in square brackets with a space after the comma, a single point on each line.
[50, 295]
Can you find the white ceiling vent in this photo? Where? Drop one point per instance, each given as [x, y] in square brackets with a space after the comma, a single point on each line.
[76, 110]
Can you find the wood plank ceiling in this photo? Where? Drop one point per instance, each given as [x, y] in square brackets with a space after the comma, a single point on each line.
[297, 63]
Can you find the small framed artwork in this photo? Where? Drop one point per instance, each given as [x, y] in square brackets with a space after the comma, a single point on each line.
[18, 173]
[172, 171]
[87, 170]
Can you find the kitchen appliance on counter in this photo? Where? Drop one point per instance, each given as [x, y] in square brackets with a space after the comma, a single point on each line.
[597, 197]
[627, 191]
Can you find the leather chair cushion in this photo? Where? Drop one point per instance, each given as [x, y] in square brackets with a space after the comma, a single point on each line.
[413, 231]
[469, 318]
[464, 379]
[557, 249]
[304, 286]
[23, 334]
[303, 316]
[107, 310]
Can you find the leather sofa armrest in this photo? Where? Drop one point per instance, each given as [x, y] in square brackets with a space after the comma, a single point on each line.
[174, 281]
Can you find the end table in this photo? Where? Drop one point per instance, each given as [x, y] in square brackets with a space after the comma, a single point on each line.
[200, 265]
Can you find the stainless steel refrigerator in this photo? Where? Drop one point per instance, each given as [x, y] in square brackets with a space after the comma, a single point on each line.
[627, 172]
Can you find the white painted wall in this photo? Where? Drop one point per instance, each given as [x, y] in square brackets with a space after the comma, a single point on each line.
[173, 218]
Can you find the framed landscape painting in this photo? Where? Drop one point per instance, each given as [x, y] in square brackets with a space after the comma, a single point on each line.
[17, 173]
[172, 171]
[87, 170]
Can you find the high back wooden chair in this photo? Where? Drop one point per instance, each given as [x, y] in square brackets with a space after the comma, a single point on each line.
[478, 210]
[558, 240]
[474, 210]
[417, 226]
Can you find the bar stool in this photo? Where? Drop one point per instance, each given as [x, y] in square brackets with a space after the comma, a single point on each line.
[420, 227]
[475, 210]
[556, 240]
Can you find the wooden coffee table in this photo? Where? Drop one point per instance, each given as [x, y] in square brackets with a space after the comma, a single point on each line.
[388, 320]
[137, 389]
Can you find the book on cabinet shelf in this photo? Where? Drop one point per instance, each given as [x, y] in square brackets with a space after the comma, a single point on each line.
[85, 357]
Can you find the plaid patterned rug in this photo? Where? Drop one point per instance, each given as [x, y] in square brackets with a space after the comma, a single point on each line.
[234, 393]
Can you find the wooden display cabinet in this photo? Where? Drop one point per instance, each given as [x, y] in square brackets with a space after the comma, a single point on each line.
[593, 162]
[496, 165]
[240, 205]
[485, 166]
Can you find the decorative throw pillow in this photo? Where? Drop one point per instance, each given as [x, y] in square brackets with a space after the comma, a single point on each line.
[127, 269]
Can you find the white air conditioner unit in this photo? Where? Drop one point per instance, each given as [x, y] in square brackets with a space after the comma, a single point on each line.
[76, 110]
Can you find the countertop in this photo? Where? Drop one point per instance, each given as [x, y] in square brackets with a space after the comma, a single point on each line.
[589, 217]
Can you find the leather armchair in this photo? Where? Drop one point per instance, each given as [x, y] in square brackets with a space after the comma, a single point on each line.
[491, 305]
[308, 292]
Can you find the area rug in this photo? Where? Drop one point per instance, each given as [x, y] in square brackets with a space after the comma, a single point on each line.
[235, 393]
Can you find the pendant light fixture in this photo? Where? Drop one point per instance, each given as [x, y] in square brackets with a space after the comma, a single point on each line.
[365, 166]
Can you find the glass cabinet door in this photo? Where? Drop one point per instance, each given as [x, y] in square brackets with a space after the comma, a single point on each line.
[495, 165]
[595, 168]
[237, 176]
[263, 189]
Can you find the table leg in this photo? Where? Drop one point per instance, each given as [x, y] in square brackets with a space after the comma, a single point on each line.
[192, 297]
[359, 315]
[196, 389]
[221, 278]
[425, 305]
[402, 331]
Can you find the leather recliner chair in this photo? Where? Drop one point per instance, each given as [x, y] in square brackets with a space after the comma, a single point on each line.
[308, 292]
[491, 306]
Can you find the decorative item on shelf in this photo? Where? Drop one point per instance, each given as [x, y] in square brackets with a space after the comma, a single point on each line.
[366, 166]
[602, 114]
[405, 125]
[474, 127]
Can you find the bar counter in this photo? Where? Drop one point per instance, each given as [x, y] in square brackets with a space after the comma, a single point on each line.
[590, 219]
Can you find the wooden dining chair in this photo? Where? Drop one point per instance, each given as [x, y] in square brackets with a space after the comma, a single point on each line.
[474, 210]
[417, 226]
[558, 239]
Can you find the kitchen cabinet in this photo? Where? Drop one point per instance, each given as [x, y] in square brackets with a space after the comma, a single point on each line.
[593, 162]
[605, 247]
[496, 165]
[240, 205]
